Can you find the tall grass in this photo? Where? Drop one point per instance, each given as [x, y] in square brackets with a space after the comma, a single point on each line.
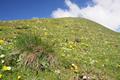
[34, 53]
[27, 41]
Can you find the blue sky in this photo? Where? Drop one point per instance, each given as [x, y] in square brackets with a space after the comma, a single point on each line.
[104, 12]
[26, 9]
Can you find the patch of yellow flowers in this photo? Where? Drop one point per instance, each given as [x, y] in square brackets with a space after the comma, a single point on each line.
[6, 68]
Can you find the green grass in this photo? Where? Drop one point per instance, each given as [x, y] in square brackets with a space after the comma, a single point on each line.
[94, 49]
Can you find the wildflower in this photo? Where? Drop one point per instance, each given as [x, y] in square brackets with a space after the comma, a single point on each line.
[84, 77]
[1, 42]
[71, 46]
[19, 77]
[6, 68]
[74, 67]
[2, 61]
[2, 56]
[1, 76]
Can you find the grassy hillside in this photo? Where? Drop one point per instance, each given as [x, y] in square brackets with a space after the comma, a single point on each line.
[58, 49]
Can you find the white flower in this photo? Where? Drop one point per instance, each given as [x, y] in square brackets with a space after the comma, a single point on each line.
[2, 61]
[9, 68]
[84, 77]
[2, 56]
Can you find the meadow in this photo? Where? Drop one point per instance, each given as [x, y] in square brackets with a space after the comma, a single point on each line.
[58, 49]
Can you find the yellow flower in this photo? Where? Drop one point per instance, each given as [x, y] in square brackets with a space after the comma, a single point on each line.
[6, 68]
[1, 42]
[74, 68]
[1, 76]
[71, 46]
[19, 77]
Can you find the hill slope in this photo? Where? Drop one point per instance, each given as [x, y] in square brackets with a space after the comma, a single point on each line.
[81, 49]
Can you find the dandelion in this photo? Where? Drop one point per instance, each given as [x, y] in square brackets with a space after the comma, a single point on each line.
[6, 68]
[1, 76]
[19, 77]
[1, 42]
[2, 56]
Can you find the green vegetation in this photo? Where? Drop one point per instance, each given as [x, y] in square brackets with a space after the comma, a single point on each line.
[58, 49]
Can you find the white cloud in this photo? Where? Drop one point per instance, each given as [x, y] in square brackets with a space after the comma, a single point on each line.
[105, 12]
